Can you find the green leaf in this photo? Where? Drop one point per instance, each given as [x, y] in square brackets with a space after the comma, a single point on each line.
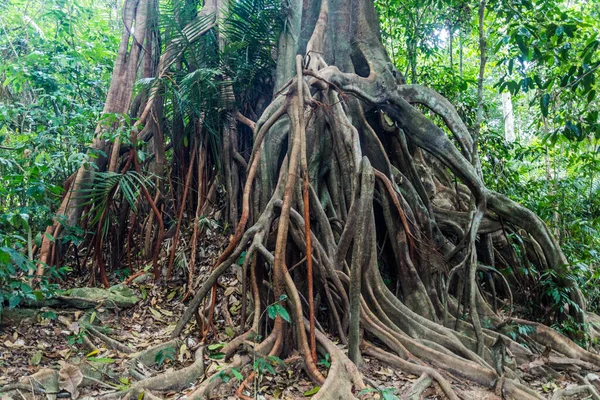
[271, 311]
[216, 346]
[237, 374]
[241, 259]
[102, 360]
[283, 312]
[165, 354]
[216, 356]
[14, 300]
[544, 103]
[312, 391]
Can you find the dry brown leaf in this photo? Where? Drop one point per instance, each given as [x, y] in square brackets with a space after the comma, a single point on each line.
[69, 378]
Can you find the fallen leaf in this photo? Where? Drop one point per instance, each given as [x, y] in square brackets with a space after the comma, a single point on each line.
[157, 315]
[74, 327]
[92, 353]
[36, 358]
[183, 353]
[229, 331]
[65, 353]
[17, 343]
[69, 378]
[312, 391]
[167, 312]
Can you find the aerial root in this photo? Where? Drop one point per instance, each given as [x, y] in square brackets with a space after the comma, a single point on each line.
[393, 320]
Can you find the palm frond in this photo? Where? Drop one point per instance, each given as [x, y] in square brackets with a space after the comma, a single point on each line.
[109, 187]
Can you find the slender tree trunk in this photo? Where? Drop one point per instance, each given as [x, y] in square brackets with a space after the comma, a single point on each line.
[117, 103]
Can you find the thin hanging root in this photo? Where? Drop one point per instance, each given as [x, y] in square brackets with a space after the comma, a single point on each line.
[158, 214]
[294, 298]
[504, 282]
[305, 189]
[394, 195]
[186, 188]
[199, 205]
[209, 283]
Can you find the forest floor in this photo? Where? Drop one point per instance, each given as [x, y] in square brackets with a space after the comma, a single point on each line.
[30, 343]
[38, 342]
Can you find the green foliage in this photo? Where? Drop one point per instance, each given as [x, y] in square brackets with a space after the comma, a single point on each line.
[56, 62]
[214, 352]
[231, 67]
[226, 376]
[76, 338]
[168, 353]
[267, 364]
[550, 48]
[276, 309]
[325, 361]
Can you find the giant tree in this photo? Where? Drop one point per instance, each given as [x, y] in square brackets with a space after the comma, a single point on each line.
[358, 199]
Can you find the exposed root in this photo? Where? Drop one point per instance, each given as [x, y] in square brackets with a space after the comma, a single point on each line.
[419, 387]
[167, 381]
[411, 368]
[578, 391]
[147, 357]
[343, 377]
[111, 343]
